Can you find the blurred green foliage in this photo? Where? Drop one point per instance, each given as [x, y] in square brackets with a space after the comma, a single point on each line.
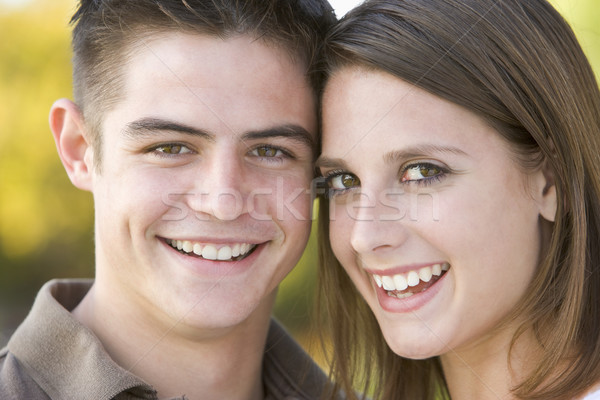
[46, 225]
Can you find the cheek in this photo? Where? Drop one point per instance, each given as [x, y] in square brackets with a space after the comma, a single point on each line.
[294, 200]
[145, 196]
[497, 249]
[497, 224]
[285, 199]
[340, 230]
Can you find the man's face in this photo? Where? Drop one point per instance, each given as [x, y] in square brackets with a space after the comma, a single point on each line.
[202, 203]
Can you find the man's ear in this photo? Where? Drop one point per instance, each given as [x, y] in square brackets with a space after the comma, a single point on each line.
[546, 192]
[68, 129]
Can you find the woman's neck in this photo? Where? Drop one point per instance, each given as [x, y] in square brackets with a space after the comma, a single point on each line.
[481, 371]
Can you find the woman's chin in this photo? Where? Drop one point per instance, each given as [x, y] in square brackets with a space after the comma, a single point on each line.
[417, 347]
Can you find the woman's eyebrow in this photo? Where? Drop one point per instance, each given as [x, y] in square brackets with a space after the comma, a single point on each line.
[423, 150]
[394, 156]
[327, 162]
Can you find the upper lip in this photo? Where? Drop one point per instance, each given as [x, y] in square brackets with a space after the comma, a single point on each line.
[401, 269]
[212, 240]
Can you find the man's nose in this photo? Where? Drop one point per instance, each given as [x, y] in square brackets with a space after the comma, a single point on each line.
[220, 189]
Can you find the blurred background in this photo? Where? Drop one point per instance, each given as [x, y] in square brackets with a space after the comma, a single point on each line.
[46, 225]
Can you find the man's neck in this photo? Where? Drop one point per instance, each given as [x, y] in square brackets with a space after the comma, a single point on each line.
[178, 360]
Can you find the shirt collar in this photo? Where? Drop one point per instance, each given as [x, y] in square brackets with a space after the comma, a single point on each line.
[62, 355]
[68, 361]
[288, 372]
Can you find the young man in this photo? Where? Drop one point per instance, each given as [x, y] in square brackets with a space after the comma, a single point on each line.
[194, 126]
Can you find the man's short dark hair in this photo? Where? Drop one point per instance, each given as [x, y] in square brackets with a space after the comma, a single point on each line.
[107, 31]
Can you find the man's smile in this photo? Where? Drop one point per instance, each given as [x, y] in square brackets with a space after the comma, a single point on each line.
[232, 252]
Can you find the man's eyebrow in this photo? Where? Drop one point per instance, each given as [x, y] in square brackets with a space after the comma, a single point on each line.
[294, 132]
[150, 126]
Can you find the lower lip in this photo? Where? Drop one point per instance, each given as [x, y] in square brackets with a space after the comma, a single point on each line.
[216, 268]
[408, 304]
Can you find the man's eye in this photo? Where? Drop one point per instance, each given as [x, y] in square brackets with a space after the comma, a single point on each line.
[268, 151]
[172, 149]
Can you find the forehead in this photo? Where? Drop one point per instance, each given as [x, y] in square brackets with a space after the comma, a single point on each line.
[236, 82]
[369, 111]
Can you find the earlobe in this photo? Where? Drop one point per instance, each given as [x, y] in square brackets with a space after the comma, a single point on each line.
[68, 129]
[548, 201]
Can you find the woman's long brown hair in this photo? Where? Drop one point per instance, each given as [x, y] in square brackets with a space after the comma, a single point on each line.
[518, 65]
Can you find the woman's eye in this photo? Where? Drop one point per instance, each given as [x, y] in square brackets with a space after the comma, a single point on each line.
[343, 181]
[421, 172]
[267, 151]
[340, 182]
[172, 149]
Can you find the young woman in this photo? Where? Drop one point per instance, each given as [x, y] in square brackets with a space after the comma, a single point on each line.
[460, 231]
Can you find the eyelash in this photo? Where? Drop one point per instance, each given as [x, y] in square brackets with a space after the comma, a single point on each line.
[331, 192]
[285, 154]
[425, 181]
[154, 150]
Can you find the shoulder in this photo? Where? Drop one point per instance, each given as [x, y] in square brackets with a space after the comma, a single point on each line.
[15, 382]
[52, 355]
[26, 363]
[288, 371]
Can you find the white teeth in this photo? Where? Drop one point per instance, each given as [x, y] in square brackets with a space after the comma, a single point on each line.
[224, 253]
[187, 246]
[235, 251]
[412, 278]
[401, 282]
[211, 252]
[388, 283]
[425, 274]
[378, 280]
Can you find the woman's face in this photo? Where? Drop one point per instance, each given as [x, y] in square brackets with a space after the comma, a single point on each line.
[432, 218]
